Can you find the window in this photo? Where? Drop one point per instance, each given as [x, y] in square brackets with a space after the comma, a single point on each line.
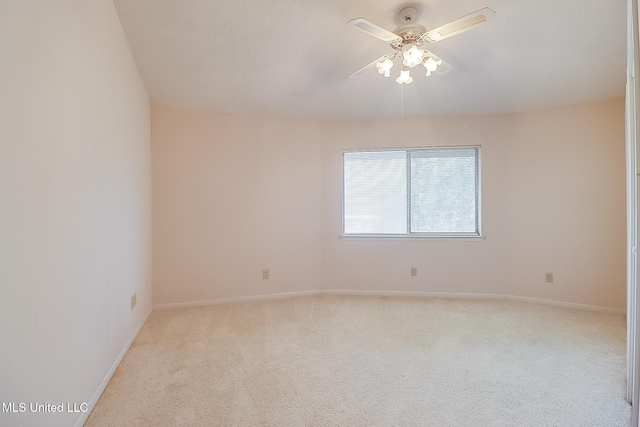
[411, 192]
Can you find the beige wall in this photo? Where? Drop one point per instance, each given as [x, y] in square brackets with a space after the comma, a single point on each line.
[566, 204]
[75, 202]
[232, 196]
[553, 200]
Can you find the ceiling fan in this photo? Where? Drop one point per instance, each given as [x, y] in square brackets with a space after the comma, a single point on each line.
[407, 39]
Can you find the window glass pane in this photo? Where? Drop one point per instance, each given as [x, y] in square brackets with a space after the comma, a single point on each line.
[375, 192]
[443, 190]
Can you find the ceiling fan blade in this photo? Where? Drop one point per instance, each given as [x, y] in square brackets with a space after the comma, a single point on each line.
[460, 25]
[368, 67]
[374, 30]
[443, 68]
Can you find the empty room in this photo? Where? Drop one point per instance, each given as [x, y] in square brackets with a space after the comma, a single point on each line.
[318, 213]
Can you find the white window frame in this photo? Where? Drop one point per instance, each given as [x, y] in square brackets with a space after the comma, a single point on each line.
[477, 235]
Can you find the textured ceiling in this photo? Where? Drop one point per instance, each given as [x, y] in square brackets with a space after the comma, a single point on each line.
[293, 57]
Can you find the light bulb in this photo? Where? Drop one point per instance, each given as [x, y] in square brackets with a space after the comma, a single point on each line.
[405, 77]
[431, 64]
[384, 67]
[412, 56]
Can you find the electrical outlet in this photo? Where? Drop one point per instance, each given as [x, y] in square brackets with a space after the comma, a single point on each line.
[265, 274]
[548, 277]
[414, 271]
[134, 301]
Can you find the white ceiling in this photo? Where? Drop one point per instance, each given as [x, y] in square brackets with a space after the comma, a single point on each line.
[293, 57]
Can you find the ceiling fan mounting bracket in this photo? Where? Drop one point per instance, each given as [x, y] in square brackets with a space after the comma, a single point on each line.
[409, 15]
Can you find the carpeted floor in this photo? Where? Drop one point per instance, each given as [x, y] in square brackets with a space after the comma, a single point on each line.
[371, 361]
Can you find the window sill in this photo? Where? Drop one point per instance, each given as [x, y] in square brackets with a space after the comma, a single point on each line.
[431, 238]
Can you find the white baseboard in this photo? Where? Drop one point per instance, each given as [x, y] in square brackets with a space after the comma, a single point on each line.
[92, 403]
[391, 294]
[568, 305]
[412, 294]
[476, 296]
[280, 295]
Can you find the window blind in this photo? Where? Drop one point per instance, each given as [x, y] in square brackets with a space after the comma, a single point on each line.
[428, 191]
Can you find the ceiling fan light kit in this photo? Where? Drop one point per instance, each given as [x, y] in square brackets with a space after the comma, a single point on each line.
[407, 40]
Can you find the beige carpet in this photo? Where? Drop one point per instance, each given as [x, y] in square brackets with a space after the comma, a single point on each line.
[371, 361]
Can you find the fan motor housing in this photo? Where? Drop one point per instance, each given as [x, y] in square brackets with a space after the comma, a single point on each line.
[410, 34]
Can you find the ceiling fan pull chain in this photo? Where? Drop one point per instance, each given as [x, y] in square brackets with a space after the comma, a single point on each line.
[401, 102]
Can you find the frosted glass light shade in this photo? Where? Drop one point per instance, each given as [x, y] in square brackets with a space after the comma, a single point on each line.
[384, 67]
[431, 64]
[412, 56]
[405, 77]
